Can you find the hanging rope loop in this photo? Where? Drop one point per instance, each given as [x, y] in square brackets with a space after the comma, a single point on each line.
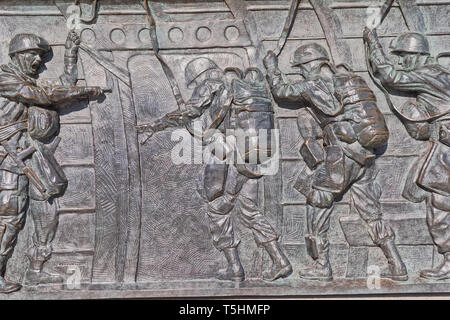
[93, 13]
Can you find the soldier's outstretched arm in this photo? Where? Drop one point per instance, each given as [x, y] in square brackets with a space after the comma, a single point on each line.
[15, 89]
[385, 70]
[194, 108]
[282, 89]
[169, 120]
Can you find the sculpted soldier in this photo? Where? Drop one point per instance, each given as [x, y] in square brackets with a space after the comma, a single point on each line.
[29, 123]
[243, 104]
[427, 117]
[341, 157]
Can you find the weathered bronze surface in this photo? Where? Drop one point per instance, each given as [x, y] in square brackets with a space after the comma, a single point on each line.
[224, 148]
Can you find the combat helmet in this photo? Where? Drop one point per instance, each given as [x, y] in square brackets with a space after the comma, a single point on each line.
[309, 52]
[411, 42]
[28, 41]
[197, 67]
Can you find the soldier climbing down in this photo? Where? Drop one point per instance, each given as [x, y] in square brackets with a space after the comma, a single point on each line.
[338, 158]
[244, 105]
[426, 118]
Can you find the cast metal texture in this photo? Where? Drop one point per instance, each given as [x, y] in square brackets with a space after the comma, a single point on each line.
[359, 203]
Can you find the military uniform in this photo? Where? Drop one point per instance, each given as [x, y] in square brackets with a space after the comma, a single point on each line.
[244, 105]
[426, 118]
[340, 157]
[28, 122]
[248, 104]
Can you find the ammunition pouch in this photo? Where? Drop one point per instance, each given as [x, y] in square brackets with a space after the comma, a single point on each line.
[312, 153]
[303, 184]
[330, 176]
[326, 180]
[42, 123]
[49, 172]
[418, 130]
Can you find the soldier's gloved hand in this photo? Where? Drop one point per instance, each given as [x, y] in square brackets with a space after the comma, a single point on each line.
[93, 92]
[72, 43]
[271, 61]
[370, 35]
[97, 92]
[145, 128]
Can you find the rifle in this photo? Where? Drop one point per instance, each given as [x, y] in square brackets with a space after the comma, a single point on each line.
[18, 158]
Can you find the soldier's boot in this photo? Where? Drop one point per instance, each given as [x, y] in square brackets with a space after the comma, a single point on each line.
[35, 275]
[234, 271]
[5, 285]
[281, 267]
[441, 272]
[396, 268]
[38, 255]
[320, 269]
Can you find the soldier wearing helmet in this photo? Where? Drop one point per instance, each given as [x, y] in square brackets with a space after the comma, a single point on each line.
[339, 153]
[412, 48]
[29, 124]
[309, 58]
[245, 102]
[427, 117]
